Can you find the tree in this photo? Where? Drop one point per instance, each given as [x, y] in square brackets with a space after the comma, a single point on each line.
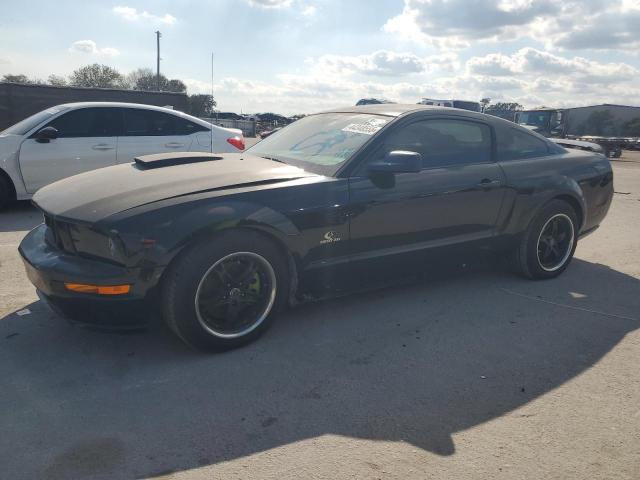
[132, 78]
[145, 79]
[504, 106]
[201, 105]
[56, 80]
[484, 102]
[96, 76]
[16, 78]
[176, 85]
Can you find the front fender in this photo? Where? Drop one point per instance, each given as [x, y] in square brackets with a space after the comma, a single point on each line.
[169, 229]
[10, 163]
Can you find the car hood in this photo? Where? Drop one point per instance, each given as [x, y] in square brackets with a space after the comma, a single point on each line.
[97, 194]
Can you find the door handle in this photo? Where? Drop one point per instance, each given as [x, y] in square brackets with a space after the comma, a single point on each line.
[488, 183]
[103, 146]
[174, 145]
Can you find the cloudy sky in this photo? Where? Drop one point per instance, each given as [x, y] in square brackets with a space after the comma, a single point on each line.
[297, 56]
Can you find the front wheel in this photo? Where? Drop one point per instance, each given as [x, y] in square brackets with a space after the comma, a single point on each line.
[5, 192]
[548, 244]
[226, 292]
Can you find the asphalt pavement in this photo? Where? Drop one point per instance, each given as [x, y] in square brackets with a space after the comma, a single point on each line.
[478, 374]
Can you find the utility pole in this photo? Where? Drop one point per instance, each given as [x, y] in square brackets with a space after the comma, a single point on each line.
[158, 35]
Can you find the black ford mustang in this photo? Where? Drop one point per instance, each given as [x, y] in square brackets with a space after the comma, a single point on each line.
[222, 242]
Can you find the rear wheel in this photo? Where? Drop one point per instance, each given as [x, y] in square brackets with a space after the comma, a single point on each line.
[225, 293]
[548, 244]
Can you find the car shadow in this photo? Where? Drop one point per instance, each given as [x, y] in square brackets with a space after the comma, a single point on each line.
[19, 216]
[413, 363]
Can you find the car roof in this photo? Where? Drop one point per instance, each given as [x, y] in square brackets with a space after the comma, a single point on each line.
[116, 104]
[399, 109]
[140, 106]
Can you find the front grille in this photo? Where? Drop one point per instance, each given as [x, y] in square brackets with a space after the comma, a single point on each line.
[59, 234]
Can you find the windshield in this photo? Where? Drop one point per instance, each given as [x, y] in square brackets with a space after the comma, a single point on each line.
[538, 119]
[31, 122]
[320, 143]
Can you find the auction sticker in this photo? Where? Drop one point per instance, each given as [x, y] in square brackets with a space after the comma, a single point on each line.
[367, 128]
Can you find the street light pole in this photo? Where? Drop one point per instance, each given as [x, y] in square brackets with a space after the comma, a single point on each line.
[158, 35]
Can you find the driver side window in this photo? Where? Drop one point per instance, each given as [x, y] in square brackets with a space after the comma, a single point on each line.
[88, 122]
[441, 142]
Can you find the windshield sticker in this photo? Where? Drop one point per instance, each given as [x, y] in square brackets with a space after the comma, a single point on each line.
[367, 128]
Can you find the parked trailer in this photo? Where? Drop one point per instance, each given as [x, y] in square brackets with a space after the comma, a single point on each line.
[605, 125]
[463, 104]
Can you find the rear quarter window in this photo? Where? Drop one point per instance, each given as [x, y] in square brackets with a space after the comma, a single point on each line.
[514, 144]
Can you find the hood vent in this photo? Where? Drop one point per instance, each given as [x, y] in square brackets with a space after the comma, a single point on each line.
[159, 160]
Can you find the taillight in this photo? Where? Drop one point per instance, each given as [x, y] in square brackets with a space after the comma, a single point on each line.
[237, 142]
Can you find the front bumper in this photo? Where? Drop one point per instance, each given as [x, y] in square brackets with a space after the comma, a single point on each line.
[48, 268]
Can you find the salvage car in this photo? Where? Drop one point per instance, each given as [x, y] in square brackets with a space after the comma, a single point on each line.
[222, 242]
[77, 137]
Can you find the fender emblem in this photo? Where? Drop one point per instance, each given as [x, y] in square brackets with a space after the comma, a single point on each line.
[330, 237]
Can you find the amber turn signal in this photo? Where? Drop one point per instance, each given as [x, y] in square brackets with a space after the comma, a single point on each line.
[98, 289]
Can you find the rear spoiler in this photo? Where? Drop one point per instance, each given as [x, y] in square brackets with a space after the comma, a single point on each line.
[159, 160]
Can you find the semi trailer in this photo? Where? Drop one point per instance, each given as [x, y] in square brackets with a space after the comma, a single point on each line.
[608, 126]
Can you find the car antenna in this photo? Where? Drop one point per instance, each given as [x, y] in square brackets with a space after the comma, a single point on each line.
[211, 113]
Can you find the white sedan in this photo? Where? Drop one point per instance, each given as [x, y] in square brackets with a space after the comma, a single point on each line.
[73, 138]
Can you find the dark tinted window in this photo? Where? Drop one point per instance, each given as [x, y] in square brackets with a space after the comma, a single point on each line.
[88, 122]
[33, 121]
[142, 123]
[442, 142]
[514, 144]
[187, 127]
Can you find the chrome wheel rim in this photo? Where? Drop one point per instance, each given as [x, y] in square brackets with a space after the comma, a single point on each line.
[235, 295]
[555, 242]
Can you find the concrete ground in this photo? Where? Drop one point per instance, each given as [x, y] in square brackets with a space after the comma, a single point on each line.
[478, 375]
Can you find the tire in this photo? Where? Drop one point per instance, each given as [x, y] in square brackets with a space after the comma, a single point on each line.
[184, 306]
[530, 259]
[6, 196]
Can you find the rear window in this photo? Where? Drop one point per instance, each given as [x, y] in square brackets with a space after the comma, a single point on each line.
[187, 127]
[148, 123]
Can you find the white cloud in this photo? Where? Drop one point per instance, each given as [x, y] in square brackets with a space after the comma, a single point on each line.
[382, 63]
[131, 14]
[308, 11]
[270, 3]
[572, 24]
[455, 23]
[528, 61]
[529, 76]
[90, 47]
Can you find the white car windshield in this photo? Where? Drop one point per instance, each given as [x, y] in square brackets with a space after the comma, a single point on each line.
[31, 122]
[321, 143]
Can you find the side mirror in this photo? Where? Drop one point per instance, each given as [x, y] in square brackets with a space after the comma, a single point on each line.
[46, 134]
[398, 161]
